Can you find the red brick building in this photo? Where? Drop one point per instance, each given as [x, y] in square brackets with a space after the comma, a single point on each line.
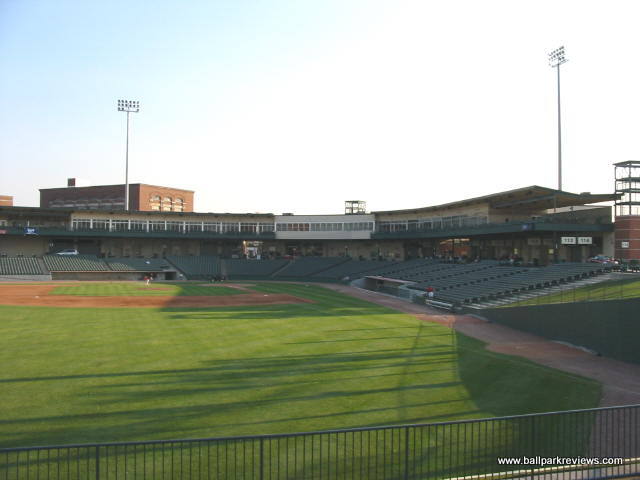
[627, 236]
[142, 197]
[6, 201]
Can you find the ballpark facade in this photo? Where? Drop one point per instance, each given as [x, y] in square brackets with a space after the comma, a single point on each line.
[536, 224]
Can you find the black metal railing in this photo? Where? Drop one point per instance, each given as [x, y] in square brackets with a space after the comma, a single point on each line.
[165, 233]
[541, 224]
[486, 448]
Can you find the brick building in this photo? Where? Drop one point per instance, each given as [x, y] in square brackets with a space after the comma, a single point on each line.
[6, 201]
[142, 197]
[627, 239]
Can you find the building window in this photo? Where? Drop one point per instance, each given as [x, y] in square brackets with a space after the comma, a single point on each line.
[193, 226]
[155, 226]
[392, 226]
[82, 203]
[249, 227]
[174, 226]
[210, 227]
[138, 225]
[229, 227]
[358, 226]
[293, 227]
[119, 225]
[81, 224]
[154, 202]
[100, 224]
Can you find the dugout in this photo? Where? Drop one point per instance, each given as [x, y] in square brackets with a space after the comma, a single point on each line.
[384, 284]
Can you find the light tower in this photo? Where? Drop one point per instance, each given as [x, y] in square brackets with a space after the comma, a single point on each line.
[557, 58]
[129, 106]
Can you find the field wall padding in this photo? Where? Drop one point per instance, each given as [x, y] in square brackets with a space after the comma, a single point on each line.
[110, 276]
[611, 328]
[25, 278]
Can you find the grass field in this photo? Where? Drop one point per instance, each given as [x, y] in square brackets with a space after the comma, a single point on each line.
[73, 375]
[134, 289]
[614, 290]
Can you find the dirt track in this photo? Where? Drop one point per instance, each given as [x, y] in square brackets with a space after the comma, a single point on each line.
[620, 380]
[38, 295]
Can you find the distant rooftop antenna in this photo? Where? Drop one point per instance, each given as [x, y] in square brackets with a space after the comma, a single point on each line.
[355, 207]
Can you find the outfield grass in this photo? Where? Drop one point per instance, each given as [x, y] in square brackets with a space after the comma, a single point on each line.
[134, 289]
[96, 375]
[614, 290]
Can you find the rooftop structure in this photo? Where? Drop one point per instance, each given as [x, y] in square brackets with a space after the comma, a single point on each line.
[142, 197]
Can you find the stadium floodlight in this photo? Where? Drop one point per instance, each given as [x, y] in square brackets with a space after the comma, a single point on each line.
[557, 58]
[129, 106]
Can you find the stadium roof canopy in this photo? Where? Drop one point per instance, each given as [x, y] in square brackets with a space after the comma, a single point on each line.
[533, 197]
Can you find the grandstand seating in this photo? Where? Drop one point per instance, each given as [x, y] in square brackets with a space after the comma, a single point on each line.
[307, 266]
[196, 268]
[241, 268]
[137, 264]
[496, 282]
[352, 269]
[20, 266]
[75, 263]
[399, 269]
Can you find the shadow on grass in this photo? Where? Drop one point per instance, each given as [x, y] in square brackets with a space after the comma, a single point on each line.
[348, 340]
[258, 367]
[504, 385]
[318, 384]
[271, 312]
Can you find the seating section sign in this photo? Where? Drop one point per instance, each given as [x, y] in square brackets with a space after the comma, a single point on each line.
[576, 240]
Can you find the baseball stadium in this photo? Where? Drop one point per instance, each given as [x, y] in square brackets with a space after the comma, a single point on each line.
[448, 341]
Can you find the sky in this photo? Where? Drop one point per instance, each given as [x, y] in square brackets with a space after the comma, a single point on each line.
[295, 106]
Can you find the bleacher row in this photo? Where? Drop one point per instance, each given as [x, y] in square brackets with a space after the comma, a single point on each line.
[78, 263]
[466, 284]
[91, 263]
[20, 266]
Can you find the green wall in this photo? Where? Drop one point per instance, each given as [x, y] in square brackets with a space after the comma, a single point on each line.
[611, 328]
